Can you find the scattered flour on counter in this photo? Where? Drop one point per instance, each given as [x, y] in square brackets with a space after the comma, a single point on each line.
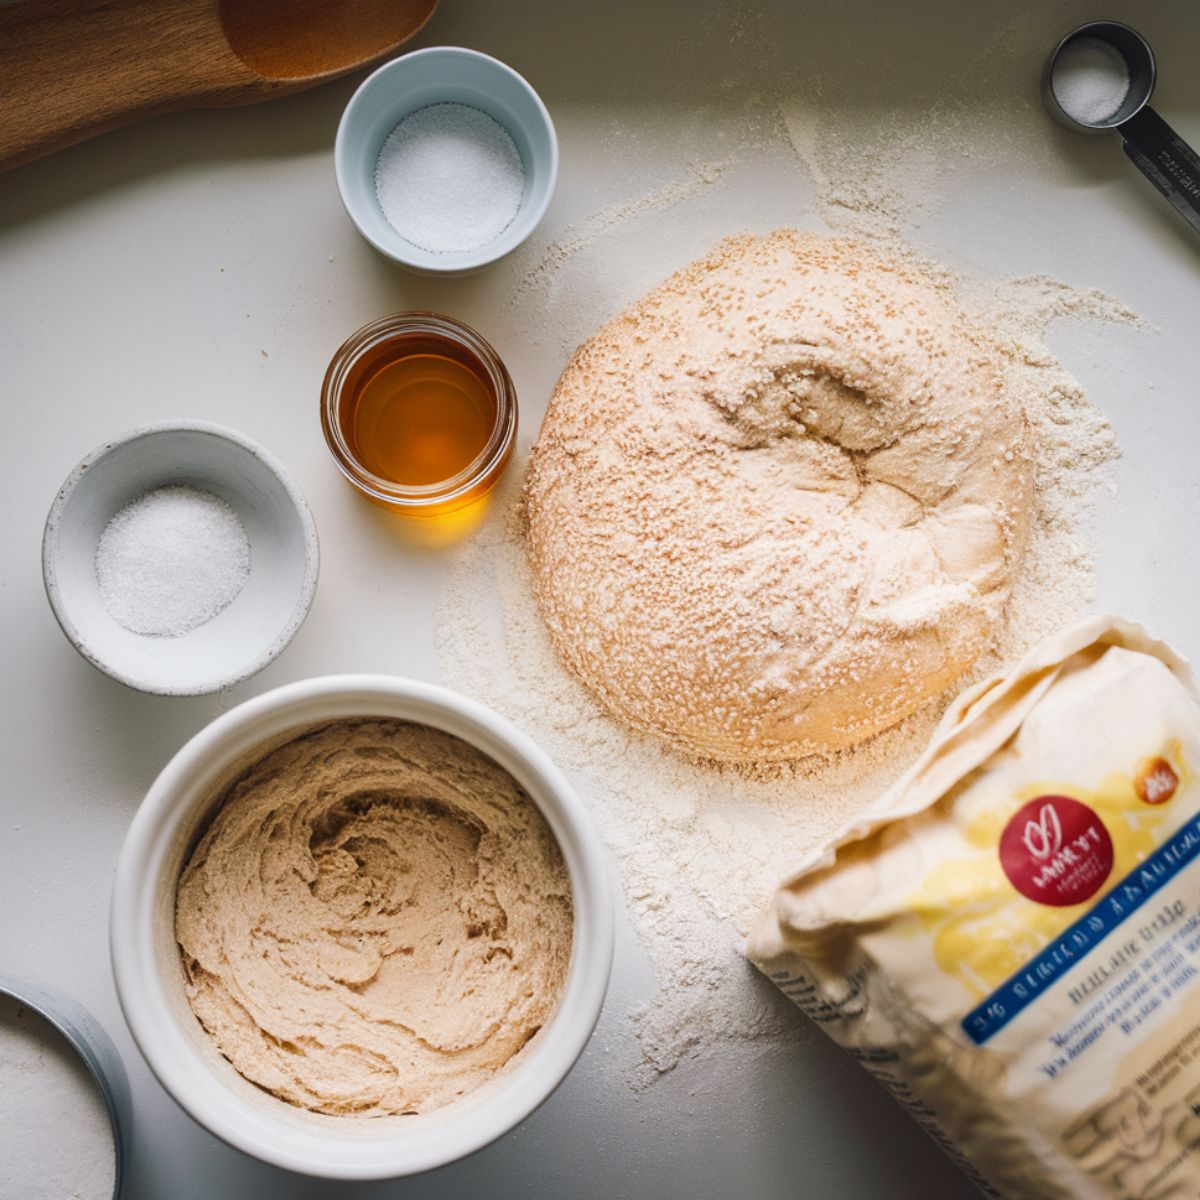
[700, 847]
[584, 233]
[870, 185]
[56, 1141]
[880, 168]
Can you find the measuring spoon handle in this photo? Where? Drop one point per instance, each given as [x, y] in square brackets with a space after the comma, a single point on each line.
[1166, 160]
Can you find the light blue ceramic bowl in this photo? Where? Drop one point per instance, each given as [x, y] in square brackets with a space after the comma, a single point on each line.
[441, 75]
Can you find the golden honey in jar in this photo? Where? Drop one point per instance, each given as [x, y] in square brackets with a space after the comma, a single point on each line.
[419, 413]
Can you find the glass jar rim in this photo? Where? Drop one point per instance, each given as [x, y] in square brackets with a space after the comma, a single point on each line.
[495, 451]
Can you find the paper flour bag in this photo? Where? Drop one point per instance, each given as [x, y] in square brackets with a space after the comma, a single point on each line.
[1009, 938]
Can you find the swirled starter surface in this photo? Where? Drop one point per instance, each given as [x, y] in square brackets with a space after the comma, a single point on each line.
[377, 921]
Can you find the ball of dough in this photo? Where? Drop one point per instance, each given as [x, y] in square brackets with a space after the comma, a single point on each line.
[777, 503]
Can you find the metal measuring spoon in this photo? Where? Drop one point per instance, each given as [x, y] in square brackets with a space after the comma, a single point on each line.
[1152, 145]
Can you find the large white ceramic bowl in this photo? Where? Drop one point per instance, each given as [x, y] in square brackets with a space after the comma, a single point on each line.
[260, 621]
[149, 975]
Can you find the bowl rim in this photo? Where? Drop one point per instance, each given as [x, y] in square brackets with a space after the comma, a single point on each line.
[308, 527]
[181, 787]
[455, 262]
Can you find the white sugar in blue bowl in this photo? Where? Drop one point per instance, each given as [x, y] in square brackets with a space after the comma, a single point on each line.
[255, 608]
[431, 99]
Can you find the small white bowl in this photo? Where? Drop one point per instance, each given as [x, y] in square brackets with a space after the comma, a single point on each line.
[256, 625]
[149, 975]
[443, 75]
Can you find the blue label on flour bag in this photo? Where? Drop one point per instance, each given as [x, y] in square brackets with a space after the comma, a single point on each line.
[1077, 940]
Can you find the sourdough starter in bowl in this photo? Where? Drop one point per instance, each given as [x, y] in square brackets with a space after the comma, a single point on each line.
[377, 920]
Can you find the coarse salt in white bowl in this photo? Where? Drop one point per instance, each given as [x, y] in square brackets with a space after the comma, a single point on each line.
[263, 615]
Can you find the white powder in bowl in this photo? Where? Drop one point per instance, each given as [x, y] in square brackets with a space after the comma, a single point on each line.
[1090, 80]
[171, 560]
[449, 178]
[56, 1140]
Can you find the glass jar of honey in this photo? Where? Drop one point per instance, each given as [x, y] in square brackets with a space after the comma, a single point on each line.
[419, 413]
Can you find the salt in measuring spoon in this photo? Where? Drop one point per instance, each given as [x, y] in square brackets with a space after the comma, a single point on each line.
[1105, 59]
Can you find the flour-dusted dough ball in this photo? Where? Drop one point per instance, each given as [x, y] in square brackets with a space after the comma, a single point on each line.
[776, 504]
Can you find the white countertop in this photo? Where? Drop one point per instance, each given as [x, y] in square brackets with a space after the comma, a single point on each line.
[200, 265]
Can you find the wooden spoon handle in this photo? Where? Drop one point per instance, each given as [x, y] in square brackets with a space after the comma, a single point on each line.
[70, 69]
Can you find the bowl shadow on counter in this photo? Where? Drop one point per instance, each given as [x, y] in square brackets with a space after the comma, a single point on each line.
[845, 1120]
[1096, 160]
[126, 735]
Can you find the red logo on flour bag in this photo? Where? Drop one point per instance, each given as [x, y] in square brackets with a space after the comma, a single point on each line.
[1056, 851]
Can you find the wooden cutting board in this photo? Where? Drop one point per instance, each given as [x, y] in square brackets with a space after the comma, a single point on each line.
[70, 69]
